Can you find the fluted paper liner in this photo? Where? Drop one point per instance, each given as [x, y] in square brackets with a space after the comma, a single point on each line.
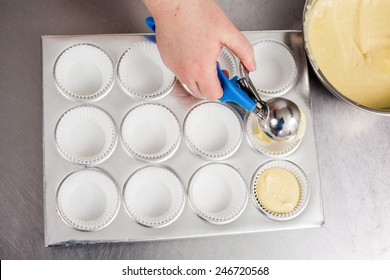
[217, 193]
[303, 185]
[265, 145]
[142, 72]
[84, 72]
[276, 70]
[154, 196]
[88, 200]
[86, 135]
[150, 132]
[213, 130]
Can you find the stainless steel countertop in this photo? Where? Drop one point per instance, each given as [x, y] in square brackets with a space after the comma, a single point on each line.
[353, 146]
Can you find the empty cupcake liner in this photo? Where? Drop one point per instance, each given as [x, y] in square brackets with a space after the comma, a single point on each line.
[85, 135]
[217, 193]
[84, 72]
[227, 61]
[88, 200]
[150, 132]
[142, 72]
[303, 185]
[262, 143]
[276, 70]
[154, 196]
[213, 130]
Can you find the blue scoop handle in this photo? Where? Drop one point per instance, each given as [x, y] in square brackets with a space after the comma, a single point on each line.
[231, 92]
[151, 24]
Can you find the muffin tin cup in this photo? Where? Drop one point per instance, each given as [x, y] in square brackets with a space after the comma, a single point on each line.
[276, 70]
[150, 132]
[84, 72]
[213, 130]
[302, 180]
[260, 142]
[154, 196]
[86, 135]
[142, 73]
[88, 199]
[217, 193]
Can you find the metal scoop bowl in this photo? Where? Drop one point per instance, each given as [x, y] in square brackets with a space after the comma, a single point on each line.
[278, 117]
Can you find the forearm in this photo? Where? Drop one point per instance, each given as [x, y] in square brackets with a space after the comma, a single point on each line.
[167, 7]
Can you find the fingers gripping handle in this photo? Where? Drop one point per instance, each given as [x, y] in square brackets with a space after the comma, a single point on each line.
[232, 93]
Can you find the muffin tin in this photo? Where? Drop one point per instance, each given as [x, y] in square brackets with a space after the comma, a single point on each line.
[129, 155]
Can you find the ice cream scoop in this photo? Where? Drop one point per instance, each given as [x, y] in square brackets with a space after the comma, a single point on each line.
[278, 117]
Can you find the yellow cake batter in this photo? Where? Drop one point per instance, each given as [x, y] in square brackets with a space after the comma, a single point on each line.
[349, 40]
[259, 133]
[278, 190]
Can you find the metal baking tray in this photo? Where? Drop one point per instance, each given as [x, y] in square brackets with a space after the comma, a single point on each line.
[184, 162]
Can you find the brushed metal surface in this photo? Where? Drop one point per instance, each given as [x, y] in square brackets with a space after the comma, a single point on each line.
[354, 156]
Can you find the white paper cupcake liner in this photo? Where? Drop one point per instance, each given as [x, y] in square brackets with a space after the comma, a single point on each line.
[88, 200]
[303, 184]
[84, 72]
[154, 196]
[263, 144]
[150, 132]
[213, 130]
[85, 135]
[142, 73]
[227, 61]
[217, 193]
[302, 126]
[276, 70]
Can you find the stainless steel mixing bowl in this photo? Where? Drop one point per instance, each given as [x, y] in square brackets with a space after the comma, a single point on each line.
[323, 78]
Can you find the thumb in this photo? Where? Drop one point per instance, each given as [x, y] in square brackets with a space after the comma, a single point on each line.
[241, 47]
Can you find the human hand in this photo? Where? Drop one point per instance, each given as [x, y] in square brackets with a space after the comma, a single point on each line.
[190, 35]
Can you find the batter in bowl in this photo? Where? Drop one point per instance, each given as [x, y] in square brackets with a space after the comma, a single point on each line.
[349, 42]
